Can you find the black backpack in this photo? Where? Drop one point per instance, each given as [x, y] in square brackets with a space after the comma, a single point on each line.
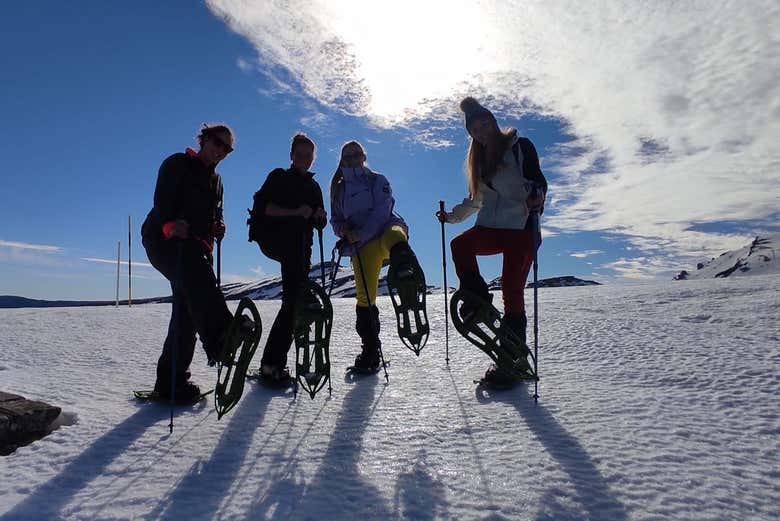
[256, 220]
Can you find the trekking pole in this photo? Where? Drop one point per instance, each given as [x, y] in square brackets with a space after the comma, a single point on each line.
[322, 259]
[177, 306]
[322, 272]
[535, 232]
[446, 304]
[374, 319]
[219, 252]
[219, 263]
[333, 272]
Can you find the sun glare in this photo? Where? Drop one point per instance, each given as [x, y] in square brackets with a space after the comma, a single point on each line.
[409, 51]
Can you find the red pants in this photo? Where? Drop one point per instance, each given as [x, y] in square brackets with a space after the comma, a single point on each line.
[517, 247]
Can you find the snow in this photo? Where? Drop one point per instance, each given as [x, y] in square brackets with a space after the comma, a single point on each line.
[656, 402]
[760, 257]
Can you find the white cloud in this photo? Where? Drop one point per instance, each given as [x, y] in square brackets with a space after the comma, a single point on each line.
[113, 261]
[245, 65]
[586, 253]
[26, 246]
[26, 253]
[674, 107]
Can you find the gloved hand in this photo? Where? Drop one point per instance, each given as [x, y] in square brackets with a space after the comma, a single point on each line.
[218, 230]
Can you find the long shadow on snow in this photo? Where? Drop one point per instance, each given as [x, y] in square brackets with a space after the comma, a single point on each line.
[200, 493]
[417, 495]
[338, 490]
[287, 481]
[48, 499]
[592, 490]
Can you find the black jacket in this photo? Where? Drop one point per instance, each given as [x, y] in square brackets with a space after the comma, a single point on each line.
[186, 189]
[287, 189]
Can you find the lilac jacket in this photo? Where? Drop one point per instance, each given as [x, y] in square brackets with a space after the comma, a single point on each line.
[362, 201]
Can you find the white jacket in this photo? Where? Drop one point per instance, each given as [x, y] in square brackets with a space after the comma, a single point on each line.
[503, 203]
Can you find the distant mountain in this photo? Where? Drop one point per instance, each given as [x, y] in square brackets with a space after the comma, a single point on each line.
[553, 282]
[266, 289]
[271, 288]
[13, 301]
[760, 257]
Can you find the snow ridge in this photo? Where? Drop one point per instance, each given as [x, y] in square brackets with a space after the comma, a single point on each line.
[760, 257]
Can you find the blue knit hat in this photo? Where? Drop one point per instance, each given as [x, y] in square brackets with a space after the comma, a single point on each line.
[472, 111]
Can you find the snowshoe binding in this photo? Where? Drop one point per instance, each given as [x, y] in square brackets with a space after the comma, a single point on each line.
[241, 340]
[407, 289]
[272, 377]
[482, 325]
[313, 324]
[366, 367]
[179, 399]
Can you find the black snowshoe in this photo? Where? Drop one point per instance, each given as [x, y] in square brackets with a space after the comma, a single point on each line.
[363, 367]
[272, 377]
[182, 397]
[499, 338]
[313, 324]
[406, 285]
[241, 340]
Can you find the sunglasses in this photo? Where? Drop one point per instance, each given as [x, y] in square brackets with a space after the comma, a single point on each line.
[218, 141]
[356, 155]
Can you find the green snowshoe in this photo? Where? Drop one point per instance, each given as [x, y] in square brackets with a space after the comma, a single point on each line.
[406, 285]
[484, 328]
[241, 340]
[313, 324]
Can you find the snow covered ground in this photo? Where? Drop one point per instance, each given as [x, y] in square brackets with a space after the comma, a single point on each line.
[657, 402]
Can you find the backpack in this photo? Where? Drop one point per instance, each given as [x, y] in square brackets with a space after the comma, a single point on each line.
[256, 220]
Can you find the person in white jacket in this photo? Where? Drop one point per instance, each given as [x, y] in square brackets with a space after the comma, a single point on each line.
[505, 184]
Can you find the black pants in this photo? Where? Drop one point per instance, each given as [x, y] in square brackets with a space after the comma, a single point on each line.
[198, 306]
[293, 251]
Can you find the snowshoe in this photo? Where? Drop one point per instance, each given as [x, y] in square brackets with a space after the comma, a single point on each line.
[363, 369]
[313, 324]
[407, 289]
[273, 378]
[241, 340]
[483, 328]
[499, 380]
[154, 396]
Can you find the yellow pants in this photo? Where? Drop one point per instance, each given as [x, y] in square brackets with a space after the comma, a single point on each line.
[372, 255]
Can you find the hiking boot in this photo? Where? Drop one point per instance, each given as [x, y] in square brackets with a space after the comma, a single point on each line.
[516, 323]
[275, 376]
[186, 393]
[309, 301]
[223, 355]
[367, 327]
[476, 285]
[403, 261]
[367, 360]
[498, 379]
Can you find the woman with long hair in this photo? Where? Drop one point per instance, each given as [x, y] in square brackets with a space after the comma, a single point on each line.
[362, 216]
[505, 185]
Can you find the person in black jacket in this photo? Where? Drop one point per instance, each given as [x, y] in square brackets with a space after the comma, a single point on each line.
[286, 210]
[178, 235]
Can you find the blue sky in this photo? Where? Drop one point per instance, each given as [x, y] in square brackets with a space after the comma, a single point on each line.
[656, 135]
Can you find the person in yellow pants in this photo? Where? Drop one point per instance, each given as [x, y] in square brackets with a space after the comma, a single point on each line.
[362, 216]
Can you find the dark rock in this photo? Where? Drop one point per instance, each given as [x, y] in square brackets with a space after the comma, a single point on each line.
[553, 282]
[682, 275]
[23, 421]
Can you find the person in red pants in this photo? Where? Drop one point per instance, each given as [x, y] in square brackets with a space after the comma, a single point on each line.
[505, 185]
